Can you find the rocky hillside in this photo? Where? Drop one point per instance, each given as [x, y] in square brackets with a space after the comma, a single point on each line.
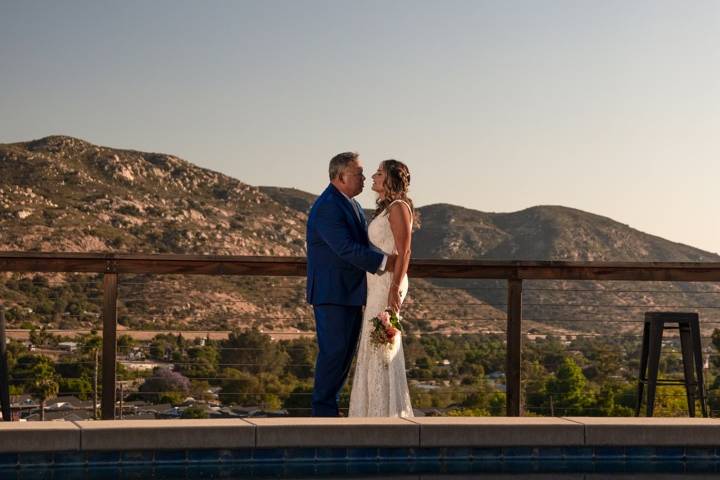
[536, 233]
[64, 194]
[61, 193]
[542, 233]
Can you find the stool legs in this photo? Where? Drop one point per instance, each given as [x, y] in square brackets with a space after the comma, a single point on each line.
[688, 369]
[695, 334]
[642, 378]
[688, 325]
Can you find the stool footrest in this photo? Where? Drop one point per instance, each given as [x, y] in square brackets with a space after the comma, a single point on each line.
[670, 382]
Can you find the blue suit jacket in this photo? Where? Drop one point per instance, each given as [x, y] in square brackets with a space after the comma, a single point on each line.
[338, 252]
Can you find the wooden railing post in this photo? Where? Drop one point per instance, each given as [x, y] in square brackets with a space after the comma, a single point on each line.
[514, 348]
[4, 373]
[110, 293]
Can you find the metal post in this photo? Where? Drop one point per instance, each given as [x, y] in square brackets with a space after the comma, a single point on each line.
[122, 394]
[514, 348]
[110, 291]
[4, 374]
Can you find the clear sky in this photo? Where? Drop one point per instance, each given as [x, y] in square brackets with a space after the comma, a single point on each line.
[609, 106]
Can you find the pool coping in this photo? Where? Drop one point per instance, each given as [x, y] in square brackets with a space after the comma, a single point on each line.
[416, 433]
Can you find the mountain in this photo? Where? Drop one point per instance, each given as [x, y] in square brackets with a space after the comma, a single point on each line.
[60, 193]
[536, 233]
[542, 233]
[64, 194]
[291, 197]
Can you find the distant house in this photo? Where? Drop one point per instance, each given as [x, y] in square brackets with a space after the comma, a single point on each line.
[136, 354]
[224, 412]
[68, 346]
[139, 416]
[172, 412]
[21, 406]
[140, 365]
[61, 408]
[425, 385]
[62, 415]
[258, 412]
[18, 401]
[69, 402]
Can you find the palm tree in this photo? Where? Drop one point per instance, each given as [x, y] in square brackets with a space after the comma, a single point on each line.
[44, 384]
[91, 345]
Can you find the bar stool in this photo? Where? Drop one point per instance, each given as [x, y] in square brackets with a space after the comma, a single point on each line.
[691, 347]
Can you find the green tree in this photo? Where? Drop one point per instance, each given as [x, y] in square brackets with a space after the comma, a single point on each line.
[200, 362]
[716, 343]
[22, 371]
[478, 399]
[195, 411]
[167, 347]
[79, 387]
[535, 378]
[43, 385]
[42, 337]
[605, 360]
[265, 389]
[125, 343]
[299, 401]
[671, 401]
[497, 404]
[612, 400]
[253, 352]
[200, 390]
[238, 387]
[301, 357]
[567, 388]
[90, 346]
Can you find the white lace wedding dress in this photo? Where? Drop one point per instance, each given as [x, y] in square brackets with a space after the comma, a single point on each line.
[379, 387]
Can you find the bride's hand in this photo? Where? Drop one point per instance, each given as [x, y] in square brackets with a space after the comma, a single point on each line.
[394, 298]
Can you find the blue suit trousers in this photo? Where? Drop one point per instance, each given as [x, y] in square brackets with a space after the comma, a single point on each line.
[338, 328]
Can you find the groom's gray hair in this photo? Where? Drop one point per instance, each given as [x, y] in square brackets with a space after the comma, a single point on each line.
[339, 162]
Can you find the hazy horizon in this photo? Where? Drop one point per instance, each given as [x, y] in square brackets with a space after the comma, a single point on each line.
[611, 108]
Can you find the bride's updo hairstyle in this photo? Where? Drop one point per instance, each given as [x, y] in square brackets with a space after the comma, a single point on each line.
[396, 186]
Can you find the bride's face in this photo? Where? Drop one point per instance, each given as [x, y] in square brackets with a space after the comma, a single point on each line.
[378, 178]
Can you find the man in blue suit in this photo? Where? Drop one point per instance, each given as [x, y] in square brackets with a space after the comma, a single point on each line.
[338, 255]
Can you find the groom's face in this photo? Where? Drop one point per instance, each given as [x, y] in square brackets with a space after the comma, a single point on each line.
[353, 178]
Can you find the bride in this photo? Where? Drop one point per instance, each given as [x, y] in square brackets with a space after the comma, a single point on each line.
[379, 387]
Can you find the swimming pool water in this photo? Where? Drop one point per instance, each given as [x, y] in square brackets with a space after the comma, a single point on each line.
[417, 470]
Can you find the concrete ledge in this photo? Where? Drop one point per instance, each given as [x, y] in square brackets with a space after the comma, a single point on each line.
[166, 434]
[643, 431]
[39, 437]
[335, 432]
[498, 431]
[423, 432]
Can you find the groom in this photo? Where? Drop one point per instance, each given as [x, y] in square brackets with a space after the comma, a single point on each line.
[338, 255]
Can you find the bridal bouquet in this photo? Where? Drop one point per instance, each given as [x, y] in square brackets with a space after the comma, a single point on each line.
[385, 327]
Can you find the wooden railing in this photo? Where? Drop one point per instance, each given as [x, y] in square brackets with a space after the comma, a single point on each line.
[515, 272]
